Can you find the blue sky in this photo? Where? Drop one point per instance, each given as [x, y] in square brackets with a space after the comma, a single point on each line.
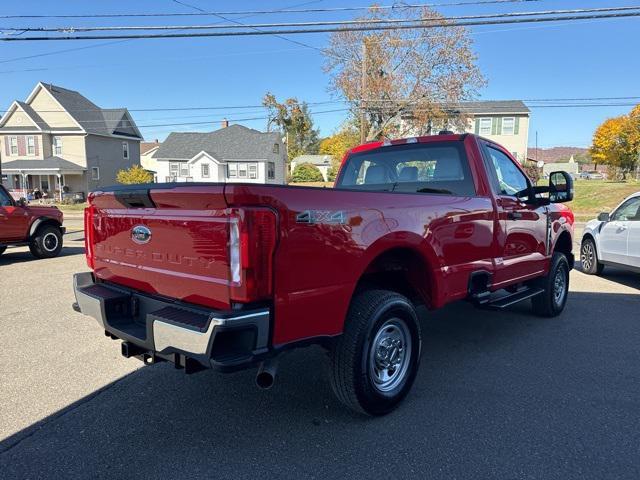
[566, 60]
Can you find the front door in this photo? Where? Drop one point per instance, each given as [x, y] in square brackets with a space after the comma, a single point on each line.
[522, 236]
[614, 236]
[14, 220]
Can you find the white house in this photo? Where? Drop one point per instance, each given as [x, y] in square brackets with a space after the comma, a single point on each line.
[232, 154]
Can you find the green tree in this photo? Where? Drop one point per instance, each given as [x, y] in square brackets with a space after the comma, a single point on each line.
[333, 171]
[305, 172]
[293, 119]
[135, 174]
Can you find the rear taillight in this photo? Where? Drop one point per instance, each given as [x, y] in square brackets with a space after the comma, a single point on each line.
[88, 234]
[252, 243]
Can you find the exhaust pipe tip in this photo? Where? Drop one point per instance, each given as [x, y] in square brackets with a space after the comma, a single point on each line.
[266, 375]
[264, 380]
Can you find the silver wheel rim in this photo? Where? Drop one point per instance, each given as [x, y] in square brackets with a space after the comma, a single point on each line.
[587, 256]
[559, 287]
[389, 355]
[50, 242]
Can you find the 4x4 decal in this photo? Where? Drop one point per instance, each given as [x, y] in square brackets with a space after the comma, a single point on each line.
[322, 216]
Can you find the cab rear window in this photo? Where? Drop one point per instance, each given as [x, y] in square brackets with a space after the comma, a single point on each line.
[436, 167]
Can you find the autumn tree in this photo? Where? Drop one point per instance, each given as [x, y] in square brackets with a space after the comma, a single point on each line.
[616, 142]
[293, 120]
[404, 80]
[337, 144]
[135, 174]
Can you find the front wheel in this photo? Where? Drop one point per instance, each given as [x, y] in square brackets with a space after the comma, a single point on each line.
[375, 361]
[589, 258]
[555, 285]
[47, 242]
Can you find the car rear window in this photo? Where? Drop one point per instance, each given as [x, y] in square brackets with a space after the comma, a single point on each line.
[435, 167]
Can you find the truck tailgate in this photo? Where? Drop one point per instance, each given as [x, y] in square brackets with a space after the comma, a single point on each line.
[167, 241]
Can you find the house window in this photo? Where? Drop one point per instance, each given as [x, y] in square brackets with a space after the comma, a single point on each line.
[125, 150]
[173, 169]
[253, 170]
[508, 126]
[485, 126]
[242, 170]
[232, 170]
[57, 145]
[31, 146]
[95, 173]
[184, 169]
[205, 170]
[271, 170]
[14, 145]
[276, 148]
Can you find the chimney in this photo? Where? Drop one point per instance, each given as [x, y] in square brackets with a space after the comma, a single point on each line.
[224, 123]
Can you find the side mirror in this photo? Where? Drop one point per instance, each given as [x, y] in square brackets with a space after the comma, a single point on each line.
[21, 202]
[604, 217]
[560, 187]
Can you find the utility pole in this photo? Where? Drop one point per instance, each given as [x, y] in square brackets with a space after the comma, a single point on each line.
[363, 87]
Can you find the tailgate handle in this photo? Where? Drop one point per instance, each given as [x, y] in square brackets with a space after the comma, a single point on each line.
[135, 198]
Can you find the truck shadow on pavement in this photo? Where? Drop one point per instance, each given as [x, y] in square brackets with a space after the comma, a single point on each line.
[14, 256]
[498, 395]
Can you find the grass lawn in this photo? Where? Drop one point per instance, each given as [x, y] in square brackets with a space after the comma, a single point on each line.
[595, 196]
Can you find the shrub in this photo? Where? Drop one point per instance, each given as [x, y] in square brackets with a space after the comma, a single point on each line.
[135, 174]
[305, 172]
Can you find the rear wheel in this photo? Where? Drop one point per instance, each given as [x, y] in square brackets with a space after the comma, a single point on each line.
[589, 257]
[555, 285]
[375, 361]
[47, 242]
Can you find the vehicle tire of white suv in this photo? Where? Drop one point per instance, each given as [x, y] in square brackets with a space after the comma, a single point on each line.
[589, 257]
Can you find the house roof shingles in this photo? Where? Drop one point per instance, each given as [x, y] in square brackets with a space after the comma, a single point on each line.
[493, 107]
[235, 142]
[319, 160]
[87, 114]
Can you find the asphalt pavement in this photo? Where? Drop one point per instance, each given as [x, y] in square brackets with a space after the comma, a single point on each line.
[501, 395]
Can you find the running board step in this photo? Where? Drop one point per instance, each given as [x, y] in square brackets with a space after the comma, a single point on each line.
[513, 298]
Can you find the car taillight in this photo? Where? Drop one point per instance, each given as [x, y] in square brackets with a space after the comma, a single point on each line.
[88, 235]
[252, 243]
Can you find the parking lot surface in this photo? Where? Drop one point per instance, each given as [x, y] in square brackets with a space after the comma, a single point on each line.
[498, 395]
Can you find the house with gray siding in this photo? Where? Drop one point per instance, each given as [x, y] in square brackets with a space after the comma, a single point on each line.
[231, 154]
[61, 143]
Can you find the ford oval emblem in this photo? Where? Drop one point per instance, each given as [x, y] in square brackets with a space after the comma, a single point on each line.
[140, 234]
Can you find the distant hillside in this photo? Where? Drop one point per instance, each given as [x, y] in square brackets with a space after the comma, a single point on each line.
[558, 154]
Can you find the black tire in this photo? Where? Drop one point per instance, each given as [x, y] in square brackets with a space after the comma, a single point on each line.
[589, 257]
[47, 242]
[552, 300]
[2, 250]
[387, 319]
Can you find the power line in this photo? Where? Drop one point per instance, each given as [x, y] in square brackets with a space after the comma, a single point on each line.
[320, 23]
[278, 11]
[436, 24]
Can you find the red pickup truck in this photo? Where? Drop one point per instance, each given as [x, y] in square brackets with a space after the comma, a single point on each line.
[227, 276]
[38, 226]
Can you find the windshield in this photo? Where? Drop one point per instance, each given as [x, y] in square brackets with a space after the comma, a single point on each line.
[436, 167]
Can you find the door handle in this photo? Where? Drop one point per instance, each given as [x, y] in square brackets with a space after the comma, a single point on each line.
[514, 216]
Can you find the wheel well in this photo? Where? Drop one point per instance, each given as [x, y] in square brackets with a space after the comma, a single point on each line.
[565, 245]
[41, 223]
[401, 270]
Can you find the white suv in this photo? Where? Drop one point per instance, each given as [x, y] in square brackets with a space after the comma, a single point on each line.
[613, 238]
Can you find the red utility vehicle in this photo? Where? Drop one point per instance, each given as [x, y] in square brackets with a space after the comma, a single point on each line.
[39, 226]
[231, 275]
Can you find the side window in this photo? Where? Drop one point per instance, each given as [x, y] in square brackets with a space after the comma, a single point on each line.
[5, 200]
[628, 211]
[509, 179]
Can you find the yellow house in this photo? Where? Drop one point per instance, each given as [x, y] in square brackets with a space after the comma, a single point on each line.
[63, 144]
